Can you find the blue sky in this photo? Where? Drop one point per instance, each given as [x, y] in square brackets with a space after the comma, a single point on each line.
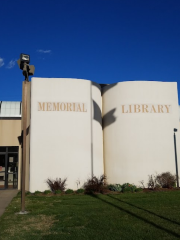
[105, 41]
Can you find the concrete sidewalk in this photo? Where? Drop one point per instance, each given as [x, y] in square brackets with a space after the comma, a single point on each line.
[5, 198]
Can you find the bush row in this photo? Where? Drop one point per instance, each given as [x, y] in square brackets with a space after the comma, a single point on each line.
[99, 185]
[46, 192]
[126, 187]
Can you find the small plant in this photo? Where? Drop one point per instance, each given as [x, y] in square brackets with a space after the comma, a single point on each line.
[166, 180]
[47, 192]
[127, 187]
[37, 192]
[28, 193]
[78, 183]
[80, 190]
[115, 187]
[95, 184]
[57, 191]
[142, 183]
[69, 191]
[152, 181]
[56, 184]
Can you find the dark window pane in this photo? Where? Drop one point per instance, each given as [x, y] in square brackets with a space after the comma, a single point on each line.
[2, 177]
[12, 162]
[13, 149]
[2, 162]
[2, 149]
[2, 180]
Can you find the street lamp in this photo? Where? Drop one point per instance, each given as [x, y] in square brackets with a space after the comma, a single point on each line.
[23, 62]
[25, 58]
[177, 176]
[28, 70]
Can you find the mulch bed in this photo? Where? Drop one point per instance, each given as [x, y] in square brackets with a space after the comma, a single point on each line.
[107, 191]
[160, 189]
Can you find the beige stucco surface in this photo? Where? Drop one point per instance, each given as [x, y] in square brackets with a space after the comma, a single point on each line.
[61, 141]
[10, 130]
[97, 136]
[139, 143]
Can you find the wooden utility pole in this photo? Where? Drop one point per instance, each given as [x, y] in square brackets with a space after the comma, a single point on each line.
[28, 70]
[23, 175]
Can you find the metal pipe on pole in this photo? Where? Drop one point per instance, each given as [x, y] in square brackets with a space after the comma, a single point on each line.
[175, 151]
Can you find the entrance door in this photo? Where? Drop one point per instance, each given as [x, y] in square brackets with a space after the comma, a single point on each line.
[8, 167]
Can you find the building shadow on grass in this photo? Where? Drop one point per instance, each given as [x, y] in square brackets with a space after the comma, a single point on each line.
[136, 216]
[132, 205]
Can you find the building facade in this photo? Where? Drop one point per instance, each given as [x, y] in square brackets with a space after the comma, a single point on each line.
[77, 129]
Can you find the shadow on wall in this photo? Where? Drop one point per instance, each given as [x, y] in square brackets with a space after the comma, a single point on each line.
[97, 116]
[109, 117]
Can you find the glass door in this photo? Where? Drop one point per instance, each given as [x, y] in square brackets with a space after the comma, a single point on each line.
[9, 167]
[12, 170]
[2, 171]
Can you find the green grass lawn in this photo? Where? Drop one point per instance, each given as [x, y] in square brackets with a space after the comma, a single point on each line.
[131, 216]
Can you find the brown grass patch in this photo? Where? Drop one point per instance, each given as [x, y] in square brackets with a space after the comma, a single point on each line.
[40, 223]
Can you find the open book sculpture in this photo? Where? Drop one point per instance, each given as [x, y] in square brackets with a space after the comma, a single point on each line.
[79, 129]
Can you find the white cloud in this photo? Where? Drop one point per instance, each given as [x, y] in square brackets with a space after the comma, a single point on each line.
[1, 62]
[11, 64]
[43, 51]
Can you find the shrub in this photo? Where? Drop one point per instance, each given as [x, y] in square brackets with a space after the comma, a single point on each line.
[115, 187]
[163, 180]
[95, 184]
[80, 190]
[28, 193]
[124, 190]
[47, 192]
[37, 192]
[127, 187]
[57, 191]
[57, 184]
[69, 191]
[166, 180]
[157, 186]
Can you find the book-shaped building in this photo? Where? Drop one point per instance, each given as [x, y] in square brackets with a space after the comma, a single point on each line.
[77, 129]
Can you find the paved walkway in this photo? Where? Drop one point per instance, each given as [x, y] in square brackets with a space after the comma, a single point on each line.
[5, 198]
